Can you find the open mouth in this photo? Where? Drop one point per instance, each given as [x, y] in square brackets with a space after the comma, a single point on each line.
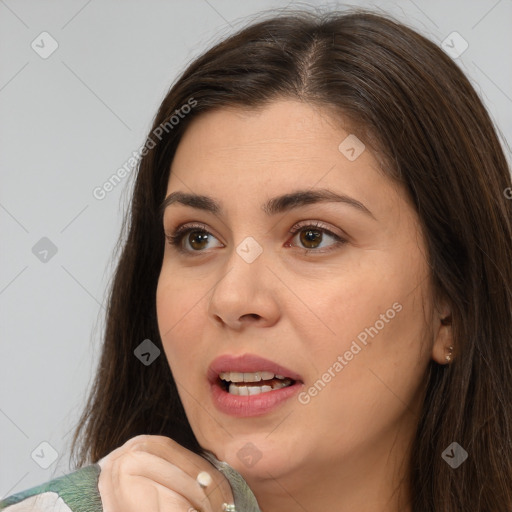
[253, 383]
[247, 385]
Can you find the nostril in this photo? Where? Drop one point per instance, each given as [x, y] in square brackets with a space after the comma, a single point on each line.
[252, 315]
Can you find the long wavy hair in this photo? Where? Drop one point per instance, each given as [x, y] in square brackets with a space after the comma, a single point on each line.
[423, 116]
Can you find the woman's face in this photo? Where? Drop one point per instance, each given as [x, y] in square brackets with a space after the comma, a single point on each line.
[283, 264]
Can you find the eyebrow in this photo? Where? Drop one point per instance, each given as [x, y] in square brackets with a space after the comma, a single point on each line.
[279, 204]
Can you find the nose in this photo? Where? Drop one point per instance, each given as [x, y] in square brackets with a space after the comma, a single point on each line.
[245, 294]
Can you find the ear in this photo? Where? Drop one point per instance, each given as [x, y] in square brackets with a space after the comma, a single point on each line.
[443, 347]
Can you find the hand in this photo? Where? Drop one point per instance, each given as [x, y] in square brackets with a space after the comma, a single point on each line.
[156, 474]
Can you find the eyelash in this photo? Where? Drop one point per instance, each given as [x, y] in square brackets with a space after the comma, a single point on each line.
[175, 239]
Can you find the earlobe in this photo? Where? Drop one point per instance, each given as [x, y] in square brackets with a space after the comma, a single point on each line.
[448, 356]
[443, 349]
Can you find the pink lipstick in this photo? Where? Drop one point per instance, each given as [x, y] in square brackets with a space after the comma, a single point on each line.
[249, 385]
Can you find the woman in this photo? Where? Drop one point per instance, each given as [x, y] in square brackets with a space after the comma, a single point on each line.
[313, 308]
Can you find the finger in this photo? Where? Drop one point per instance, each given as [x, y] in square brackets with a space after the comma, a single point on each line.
[168, 449]
[139, 493]
[190, 462]
[170, 501]
[168, 475]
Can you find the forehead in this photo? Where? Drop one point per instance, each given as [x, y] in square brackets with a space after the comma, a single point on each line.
[241, 154]
[281, 127]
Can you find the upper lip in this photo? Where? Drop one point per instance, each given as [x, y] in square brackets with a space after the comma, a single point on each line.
[247, 363]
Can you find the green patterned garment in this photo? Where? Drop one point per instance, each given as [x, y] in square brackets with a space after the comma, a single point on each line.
[78, 492]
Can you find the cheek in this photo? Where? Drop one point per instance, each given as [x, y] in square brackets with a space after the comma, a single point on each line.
[178, 306]
[367, 305]
[177, 298]
[368, 342]
[358, 391]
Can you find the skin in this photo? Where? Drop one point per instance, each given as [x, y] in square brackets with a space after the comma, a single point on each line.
[155, 474]
[347, 448]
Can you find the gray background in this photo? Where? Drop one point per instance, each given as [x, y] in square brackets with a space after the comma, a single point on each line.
[67, 123]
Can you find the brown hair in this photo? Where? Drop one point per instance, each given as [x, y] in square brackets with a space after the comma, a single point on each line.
[439, 142]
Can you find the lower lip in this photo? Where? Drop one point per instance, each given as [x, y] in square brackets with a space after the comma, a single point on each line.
[253, 405]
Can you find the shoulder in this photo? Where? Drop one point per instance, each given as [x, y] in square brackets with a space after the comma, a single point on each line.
[75, 492]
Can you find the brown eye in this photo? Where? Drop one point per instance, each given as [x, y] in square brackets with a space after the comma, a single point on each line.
[310, 238]
[192, 239]
[315, 238]
[197, 239]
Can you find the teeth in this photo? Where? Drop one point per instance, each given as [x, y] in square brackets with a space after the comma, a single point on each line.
[241, 390]
[234, 389]
[252, 377]
[248, 377]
